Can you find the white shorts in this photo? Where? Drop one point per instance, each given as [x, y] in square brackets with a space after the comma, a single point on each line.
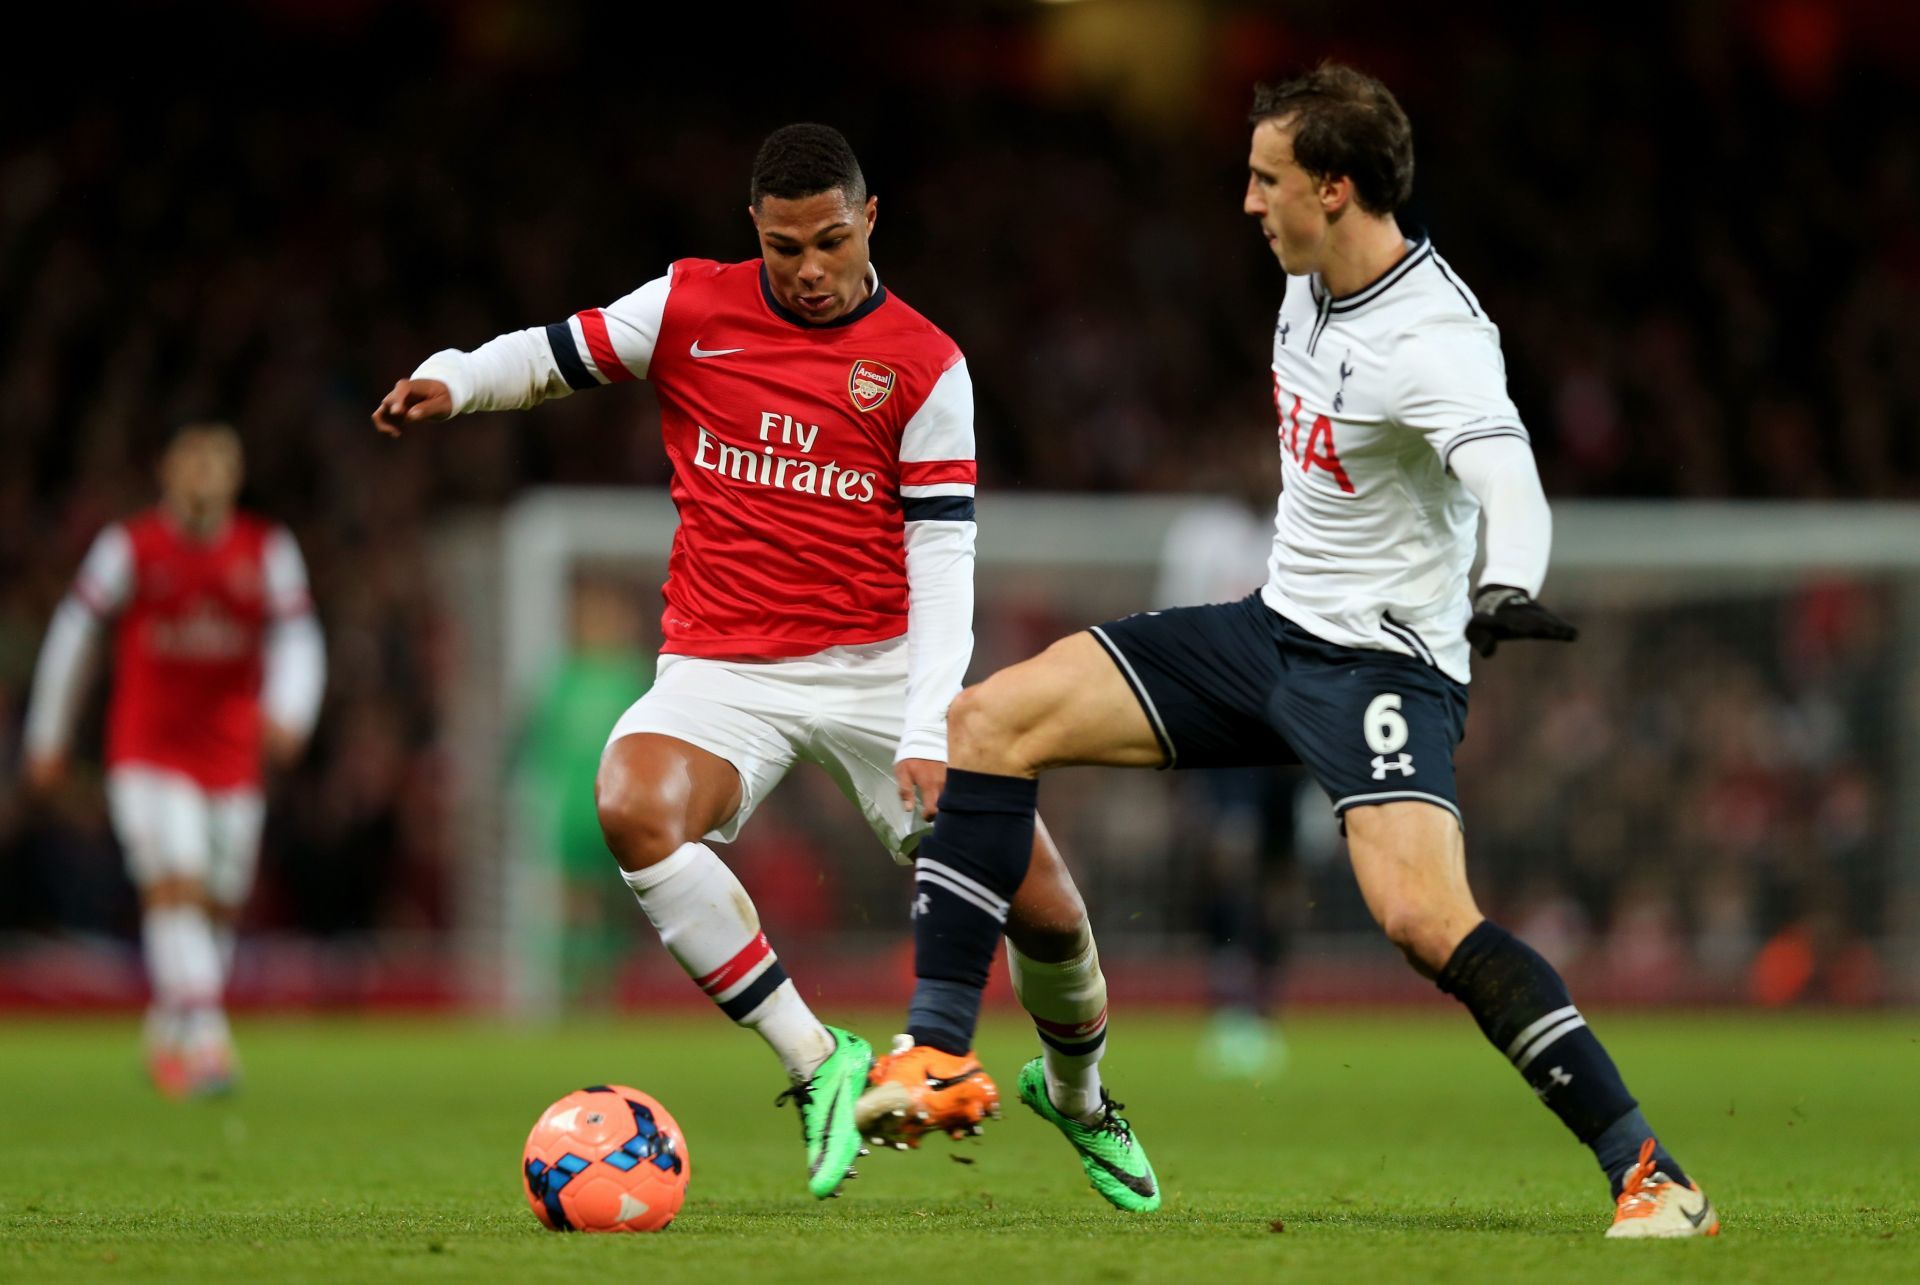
[171, 827]
[843, 708]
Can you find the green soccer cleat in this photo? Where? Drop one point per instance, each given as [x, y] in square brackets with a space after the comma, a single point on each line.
[826, 1113]
[1115, 1162]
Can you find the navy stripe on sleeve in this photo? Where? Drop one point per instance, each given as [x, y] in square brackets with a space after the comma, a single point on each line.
[1480, 435]
[937, 508]
[567, 357]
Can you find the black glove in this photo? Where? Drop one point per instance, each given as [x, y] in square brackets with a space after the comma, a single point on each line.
[1501, 612]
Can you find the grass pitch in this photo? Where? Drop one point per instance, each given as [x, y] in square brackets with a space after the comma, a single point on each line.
[1391, 1148]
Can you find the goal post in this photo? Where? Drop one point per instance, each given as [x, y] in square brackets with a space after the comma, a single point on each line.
[1712, 594]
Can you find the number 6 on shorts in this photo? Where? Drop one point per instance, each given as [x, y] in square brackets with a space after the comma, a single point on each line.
[1386, 731]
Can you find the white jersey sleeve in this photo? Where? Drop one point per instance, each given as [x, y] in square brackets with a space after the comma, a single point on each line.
[101, 588]
[1500, 473]
[296, 655]
[105, 580]
[937, 479]
[607, 345]
[1449, 384]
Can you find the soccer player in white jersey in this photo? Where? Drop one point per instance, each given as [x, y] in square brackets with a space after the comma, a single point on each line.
[819, 605]
[1396, 433]
[217, 664]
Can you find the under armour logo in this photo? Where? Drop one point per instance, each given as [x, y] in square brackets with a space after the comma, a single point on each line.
[1403, 764]
[1556, 1079]
[1285, 326]
[921, 906]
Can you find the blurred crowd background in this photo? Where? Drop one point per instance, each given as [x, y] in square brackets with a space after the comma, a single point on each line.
[1699, 229]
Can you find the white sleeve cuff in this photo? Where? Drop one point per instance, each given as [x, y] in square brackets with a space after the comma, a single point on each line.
[449, 366]
[513, 372]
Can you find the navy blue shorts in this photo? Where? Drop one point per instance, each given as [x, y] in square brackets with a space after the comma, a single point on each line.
[1236, 684]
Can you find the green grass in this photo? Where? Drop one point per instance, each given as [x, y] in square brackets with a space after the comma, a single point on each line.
[1392, 1148]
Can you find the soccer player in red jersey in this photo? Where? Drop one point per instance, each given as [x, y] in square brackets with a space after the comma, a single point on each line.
[217, 663]
[819, 606]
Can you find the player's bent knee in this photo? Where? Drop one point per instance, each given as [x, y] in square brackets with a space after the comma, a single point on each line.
[982, 733]
[1425, 935]
[643, 816]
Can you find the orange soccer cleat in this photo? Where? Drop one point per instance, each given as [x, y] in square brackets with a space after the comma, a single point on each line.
[169, 1073]
[916, 1090]
[1654, 1206]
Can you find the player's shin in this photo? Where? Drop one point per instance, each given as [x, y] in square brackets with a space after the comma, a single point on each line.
[183, 968]
[708, 923]
[1524, 1009]
[965, 876]
[1068, 1004]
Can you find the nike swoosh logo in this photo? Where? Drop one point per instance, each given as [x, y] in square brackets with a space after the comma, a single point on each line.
[826, 1132]
[1696, 1218]
[1138, 1183]
[940, 1085]
[699, 352]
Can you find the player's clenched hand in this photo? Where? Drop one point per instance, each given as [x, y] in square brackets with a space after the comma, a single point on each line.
[283, 747]
[1502, 613]
[924, 777]
[412, 401]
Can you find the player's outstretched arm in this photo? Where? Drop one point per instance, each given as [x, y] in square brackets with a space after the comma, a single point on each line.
[412, 401]
[523, 368]
[66, 657]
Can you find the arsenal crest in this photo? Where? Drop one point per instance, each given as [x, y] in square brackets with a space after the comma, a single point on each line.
[869, 383]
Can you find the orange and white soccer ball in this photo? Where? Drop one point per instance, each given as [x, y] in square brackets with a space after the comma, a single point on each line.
[606, 1158]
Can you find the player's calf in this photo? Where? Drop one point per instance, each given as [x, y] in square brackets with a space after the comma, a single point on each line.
[184, 1021]
[1410, 861]
[1057, 978]
[1068, 705]
[965, 876]
[653, 791]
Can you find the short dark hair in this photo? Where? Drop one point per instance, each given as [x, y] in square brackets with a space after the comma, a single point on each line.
[806, 160]
[1345, 124]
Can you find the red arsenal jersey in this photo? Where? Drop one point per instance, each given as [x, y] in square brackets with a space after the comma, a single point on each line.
[188, 642]
[799, 451]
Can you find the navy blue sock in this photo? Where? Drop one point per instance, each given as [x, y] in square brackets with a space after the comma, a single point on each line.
[965, 874]
[1524, 1009]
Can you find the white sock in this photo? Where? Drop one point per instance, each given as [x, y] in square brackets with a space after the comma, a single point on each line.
[1068, 1004]
[708, 923]
[183, 964]
[225, 941]
[204, 1030]
[161, 1030]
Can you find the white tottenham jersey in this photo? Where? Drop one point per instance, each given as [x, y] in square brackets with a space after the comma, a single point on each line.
[1374, 536]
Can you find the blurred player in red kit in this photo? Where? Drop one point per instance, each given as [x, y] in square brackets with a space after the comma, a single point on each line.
[218, 664]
